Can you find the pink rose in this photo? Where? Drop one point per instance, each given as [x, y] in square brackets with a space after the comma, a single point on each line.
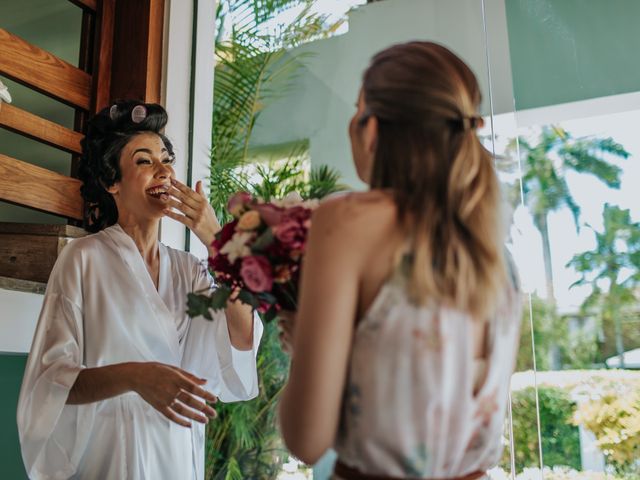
[256, 273]
[289, 232]
[238, 202]
[271, 215]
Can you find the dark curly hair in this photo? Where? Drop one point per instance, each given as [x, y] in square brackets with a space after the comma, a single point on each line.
[107, 134]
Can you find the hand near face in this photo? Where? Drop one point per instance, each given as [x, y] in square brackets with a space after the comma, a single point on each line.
[193, 210]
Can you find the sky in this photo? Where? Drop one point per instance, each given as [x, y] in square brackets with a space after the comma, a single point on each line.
[590, 194]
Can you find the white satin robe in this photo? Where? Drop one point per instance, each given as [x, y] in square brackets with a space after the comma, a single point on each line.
[101, 307]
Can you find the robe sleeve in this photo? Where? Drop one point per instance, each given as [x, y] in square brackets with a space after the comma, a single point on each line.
[53, 435]
[231, 373]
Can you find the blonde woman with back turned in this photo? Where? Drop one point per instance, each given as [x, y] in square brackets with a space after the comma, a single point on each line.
[407, 331]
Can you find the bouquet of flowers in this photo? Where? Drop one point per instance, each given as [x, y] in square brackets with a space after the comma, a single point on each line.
[257, 256]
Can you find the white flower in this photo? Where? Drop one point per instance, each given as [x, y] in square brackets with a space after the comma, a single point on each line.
[236, 247]
[4, 93]
[292, 199]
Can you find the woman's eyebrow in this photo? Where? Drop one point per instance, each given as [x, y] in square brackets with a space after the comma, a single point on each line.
[146, 150]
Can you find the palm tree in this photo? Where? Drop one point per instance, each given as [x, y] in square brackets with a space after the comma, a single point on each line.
[612, 268]
[544, 182]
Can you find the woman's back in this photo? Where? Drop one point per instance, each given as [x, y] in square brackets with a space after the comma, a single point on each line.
[419, 400]
[404, 366]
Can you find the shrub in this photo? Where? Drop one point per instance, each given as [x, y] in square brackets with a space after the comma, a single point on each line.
[560, 438]
[614, 418]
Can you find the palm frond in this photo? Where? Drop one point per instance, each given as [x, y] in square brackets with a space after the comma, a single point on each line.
[323, 181]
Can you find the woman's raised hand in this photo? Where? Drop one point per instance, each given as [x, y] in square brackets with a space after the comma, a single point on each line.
[195, 210]
[175, 393]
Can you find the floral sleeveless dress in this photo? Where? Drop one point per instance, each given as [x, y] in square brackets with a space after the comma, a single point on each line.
[412, 404]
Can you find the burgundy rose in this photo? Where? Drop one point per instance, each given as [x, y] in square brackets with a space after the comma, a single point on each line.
[256, 273]
[290, 233]
[224, 235]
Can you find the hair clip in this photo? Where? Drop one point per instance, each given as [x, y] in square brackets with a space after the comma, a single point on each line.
[139, 113]
[471, 123]
[113, 112]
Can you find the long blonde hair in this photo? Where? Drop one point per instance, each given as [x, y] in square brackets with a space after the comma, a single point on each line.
[425, 99]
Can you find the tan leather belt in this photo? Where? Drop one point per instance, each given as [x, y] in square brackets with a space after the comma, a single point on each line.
[348, 473]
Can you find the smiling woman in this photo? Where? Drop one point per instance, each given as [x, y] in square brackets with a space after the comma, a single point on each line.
[117, 368]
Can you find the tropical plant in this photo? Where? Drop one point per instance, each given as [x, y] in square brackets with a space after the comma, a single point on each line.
[612, 269]
[253, 68]
[544, 183]
[549, 332]
[555, 345]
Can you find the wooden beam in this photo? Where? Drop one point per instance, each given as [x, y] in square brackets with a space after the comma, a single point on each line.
[154, 51]
[90, 5]
[49, 230]
[103, 56]
[20, 121]
[44, 72]
[37, 187]
[28, 252]
[137, 50]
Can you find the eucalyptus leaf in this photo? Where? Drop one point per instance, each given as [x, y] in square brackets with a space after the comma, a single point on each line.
[263, 241]
[248, 298]
[219, 297]
[198, 305]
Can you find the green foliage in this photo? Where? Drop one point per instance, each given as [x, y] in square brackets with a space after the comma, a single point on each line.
[612, 269]
[614, 418]
[545, 165]
[549, 330]
[554, 345]
[244, 441]
[560, 439]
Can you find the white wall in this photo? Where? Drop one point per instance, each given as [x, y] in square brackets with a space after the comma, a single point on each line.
[322, 100]
[18, 316]
[176, 98]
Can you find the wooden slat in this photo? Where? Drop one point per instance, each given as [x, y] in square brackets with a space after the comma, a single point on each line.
[32, 126]
[37, 187]
[60, 230]
[39, 69]
[86, 4]
[19, 285]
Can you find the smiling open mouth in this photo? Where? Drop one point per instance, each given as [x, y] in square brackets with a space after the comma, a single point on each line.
[158, 192]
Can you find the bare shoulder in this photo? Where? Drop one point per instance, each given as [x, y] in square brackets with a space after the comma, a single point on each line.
[363, 212]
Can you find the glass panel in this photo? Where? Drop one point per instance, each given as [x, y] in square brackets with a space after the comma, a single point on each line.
[309, 106]
[568, 157]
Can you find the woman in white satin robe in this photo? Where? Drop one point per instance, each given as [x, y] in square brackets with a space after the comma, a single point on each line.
[118, 377]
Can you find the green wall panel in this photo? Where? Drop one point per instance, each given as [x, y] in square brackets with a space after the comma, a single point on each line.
[11, 370]
[569, 50]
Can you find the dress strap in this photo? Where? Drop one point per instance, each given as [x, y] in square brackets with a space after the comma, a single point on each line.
[345, 472]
